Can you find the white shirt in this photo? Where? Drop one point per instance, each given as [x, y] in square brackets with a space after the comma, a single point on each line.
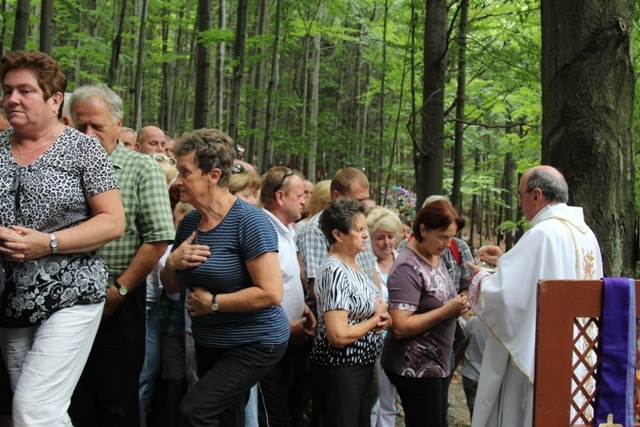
[293, 298]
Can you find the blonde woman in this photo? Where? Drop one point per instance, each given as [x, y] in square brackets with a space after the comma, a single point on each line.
[244, 182]
[384, 227]
[320, 197]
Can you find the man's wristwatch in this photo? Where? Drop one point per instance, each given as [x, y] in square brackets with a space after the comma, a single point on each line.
[122, 289]
[53, 244]
[214, 305]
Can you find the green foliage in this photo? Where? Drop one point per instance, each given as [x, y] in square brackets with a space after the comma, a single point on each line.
[366, 99]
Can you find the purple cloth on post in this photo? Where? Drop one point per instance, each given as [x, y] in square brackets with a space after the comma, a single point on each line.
[617, 352]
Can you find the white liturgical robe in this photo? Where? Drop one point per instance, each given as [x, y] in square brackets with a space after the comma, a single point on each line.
[559, 245]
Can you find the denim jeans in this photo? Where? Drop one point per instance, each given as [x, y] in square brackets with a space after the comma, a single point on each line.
[151, 367]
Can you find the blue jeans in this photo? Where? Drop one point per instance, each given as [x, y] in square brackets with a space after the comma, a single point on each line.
[151, 367]
[225, 377]
[251, 409]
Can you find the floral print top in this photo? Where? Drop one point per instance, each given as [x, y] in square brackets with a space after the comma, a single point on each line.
[415, 285]
[47, 195]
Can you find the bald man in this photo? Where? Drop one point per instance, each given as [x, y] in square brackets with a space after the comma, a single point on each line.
[151, 140]
[559, 245]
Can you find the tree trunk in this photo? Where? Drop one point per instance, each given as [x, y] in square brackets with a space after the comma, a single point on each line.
[431, 147]
[587, 126]
[383, 75]
[412, 125]
[475, 204]
[301, 161]
[137, 101]
[203, 66]
[255, 141]
[238, 69]
[166, 103]
[116, 46]
[271, 90]
[3, 36]
[314, 104]
[46, 26]
[218, 104]
[21, 26]
[458, 160]
[508, 185]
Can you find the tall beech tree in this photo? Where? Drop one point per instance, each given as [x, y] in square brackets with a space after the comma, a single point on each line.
[430, 151]
[587, 127]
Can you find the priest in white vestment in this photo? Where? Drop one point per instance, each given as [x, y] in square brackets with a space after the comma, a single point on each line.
[559, 245]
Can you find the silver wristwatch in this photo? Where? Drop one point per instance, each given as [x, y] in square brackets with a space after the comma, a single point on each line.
[53, 244]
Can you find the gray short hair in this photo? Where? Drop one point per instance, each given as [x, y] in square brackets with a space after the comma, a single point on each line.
[553, 188]
[86, 93]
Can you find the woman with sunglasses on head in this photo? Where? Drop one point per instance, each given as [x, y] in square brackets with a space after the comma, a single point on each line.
[59, 203]
[244, 182]
[229, 248]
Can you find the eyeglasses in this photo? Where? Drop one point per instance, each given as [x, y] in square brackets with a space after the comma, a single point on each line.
[238, 168]
[162, 159]
[287, 173]
[519, 194]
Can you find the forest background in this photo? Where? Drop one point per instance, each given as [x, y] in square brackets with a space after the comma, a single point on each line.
[426, 97]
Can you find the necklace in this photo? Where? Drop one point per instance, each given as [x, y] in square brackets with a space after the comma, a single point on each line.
[350, 261]
[37, 149]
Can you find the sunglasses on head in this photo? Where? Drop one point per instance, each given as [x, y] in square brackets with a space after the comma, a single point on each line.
[161, 159]
[238, 168]
[287, 173]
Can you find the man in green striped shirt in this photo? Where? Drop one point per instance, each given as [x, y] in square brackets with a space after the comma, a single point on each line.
[107, 393]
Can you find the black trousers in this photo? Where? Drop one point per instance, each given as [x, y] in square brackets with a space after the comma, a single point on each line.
[424, 400]
[343, 394]
[275, 390]
[107, 393]
[225, 377]
[6, 395]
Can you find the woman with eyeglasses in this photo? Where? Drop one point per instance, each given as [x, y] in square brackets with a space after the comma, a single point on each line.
[229, 248]
[59, 203]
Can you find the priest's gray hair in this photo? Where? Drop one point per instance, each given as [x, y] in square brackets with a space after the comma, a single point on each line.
[554, 187]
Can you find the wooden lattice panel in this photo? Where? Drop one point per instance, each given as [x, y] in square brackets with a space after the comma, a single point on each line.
[584, 369]
[567, 335]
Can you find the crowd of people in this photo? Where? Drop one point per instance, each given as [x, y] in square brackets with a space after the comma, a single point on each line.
[148, 281]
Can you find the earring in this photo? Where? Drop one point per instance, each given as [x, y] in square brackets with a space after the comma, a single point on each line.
[55, 112]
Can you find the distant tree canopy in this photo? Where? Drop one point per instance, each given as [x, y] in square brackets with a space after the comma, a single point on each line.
[326, 84]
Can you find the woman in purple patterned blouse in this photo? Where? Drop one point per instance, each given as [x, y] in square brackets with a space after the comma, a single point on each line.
[423, 305]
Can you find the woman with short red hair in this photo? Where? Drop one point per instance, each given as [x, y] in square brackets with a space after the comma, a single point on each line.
[423, 305]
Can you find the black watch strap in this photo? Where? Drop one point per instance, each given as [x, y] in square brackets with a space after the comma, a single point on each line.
[122, 289]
